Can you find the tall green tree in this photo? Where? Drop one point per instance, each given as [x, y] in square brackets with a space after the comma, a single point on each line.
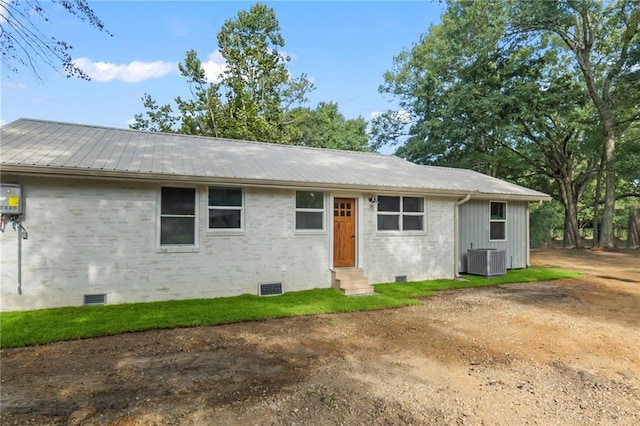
[449, 84]
[602, 39]
[251, 97]
[254, 97]
[256, 83]
[481, 104]
[485, 95]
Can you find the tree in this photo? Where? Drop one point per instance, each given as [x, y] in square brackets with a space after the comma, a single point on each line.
[159, 118]
[256, 74]
[255, 98]
[448, 83]
[326, 127]
[486, 96]
[492, 107]
[603, 39]
[25, 45]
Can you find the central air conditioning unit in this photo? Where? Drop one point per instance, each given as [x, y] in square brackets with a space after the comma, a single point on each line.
[486, 262]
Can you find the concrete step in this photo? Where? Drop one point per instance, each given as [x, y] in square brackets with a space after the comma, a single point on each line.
[351, 281]
[358, 291]
[348, 273]
[360, 282]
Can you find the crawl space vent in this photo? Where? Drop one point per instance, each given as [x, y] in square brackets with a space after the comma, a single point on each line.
[95, 299]
[401, 278]
[269, 289]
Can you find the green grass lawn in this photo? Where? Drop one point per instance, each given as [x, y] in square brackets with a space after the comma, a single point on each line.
[42, 326]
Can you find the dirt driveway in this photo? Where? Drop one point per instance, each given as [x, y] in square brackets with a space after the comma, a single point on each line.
[564, 352]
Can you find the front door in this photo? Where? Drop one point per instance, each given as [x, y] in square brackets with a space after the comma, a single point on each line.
[344, 232]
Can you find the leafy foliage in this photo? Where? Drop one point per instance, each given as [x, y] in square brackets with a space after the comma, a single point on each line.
[254, 98]
[602, 39]
[547, 222]
[522, 91]
[325, 127]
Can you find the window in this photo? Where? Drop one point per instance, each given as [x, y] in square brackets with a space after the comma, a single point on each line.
[400, 213]
[498, 221]
[225, 208]
[309, 210]
[177, 216]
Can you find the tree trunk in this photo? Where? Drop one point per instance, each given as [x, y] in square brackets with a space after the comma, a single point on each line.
[606, 236]
[583, 52]
[596, 199]
[568, 239]
[633, 234]
[572, 236]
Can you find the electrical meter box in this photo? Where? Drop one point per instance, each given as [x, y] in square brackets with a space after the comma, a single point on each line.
[10, 199]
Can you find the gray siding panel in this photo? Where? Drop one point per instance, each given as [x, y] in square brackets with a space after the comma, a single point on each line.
[516, 235]
[473, 232]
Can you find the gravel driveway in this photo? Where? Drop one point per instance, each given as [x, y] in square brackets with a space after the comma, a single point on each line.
[562, 352]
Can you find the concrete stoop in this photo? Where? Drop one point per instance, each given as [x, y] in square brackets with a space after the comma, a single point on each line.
[351, 281]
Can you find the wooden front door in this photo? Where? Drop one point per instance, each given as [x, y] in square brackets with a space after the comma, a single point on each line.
[344, 232]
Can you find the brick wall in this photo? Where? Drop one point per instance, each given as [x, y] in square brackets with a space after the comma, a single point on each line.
[419, 256]
[98, 236]
[92, 237]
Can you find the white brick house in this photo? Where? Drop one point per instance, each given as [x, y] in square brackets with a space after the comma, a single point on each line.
[119, 216]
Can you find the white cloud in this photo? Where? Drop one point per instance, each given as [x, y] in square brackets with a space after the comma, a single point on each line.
[2, 122]
[214, 66]
[133, 72]
[137, 71]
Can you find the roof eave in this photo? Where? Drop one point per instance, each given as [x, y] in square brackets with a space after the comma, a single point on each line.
[48, 171]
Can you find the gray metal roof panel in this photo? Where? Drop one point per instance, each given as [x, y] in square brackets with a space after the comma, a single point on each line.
[58, 146]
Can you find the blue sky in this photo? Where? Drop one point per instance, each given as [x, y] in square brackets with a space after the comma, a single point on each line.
[344, 47]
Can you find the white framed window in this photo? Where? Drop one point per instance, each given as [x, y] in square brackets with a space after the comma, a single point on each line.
[178, 216]
[310, 210]
[497, 221]
[396, 213]
[226, 208]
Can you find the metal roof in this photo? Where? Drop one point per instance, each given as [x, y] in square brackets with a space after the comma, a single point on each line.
[53, 148]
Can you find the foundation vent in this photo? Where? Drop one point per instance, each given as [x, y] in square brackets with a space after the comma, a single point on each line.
[401, 278]
[269, 289]
[95, 299]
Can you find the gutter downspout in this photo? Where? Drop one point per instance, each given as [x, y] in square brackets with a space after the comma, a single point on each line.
[527, 237]
[456, 243]
[22, 235]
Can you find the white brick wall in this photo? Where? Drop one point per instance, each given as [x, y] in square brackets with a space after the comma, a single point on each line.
[419, 256]
[92, 237]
